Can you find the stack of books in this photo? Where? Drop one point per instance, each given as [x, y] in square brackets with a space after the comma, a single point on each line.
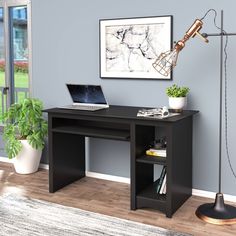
[156, 152]
[160, 184]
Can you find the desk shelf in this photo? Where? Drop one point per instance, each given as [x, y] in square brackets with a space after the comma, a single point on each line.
[95, 132]
[152, 160]
[149, 198]
[150, 193]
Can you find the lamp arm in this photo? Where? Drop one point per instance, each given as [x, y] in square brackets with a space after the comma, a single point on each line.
[205, 35]
[191, 33]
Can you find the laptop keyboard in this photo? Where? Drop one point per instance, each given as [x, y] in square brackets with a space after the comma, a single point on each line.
[86, 108]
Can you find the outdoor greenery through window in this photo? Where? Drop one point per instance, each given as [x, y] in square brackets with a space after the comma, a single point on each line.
[17, 81]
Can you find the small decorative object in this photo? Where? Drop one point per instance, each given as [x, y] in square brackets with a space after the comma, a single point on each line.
[128, 47]
[24, 134]
[159, 143]
[157, 148]
[177, 97]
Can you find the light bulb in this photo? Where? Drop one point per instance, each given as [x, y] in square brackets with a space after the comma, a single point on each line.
[166, 61]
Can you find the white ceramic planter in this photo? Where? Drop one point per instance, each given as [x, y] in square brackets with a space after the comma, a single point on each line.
[177, 103]
[28, 159]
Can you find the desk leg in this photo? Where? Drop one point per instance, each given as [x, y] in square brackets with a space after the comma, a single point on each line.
[66, 159]
[132, 168]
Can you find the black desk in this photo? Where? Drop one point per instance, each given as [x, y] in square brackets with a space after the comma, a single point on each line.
[67, 130]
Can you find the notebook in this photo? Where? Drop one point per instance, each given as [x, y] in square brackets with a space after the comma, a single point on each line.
[86, 97]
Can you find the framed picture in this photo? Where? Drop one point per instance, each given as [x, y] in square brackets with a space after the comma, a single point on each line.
[128, 47]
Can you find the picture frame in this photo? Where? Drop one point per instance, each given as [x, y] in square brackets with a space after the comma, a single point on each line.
[129, 46]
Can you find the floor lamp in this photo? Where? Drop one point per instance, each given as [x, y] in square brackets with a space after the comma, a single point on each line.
[217, 212]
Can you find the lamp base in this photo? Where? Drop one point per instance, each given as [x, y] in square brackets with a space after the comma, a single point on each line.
[217, 213]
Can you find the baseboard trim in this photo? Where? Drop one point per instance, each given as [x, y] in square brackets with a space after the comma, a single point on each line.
[44, 166]
[5, 159]
[195, 192]
[108, 177]
[208, 194]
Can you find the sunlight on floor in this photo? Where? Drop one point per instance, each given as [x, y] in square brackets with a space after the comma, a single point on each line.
[12, 190]
[1, 174]
[5, 188]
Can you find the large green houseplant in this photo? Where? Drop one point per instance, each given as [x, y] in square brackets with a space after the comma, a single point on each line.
[24, 127]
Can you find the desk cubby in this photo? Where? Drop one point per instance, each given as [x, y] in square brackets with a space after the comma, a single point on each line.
[178, 164]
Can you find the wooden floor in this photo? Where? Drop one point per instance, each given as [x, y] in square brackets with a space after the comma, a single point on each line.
[109, 198]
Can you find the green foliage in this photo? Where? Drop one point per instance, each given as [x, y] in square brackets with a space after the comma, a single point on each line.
[24, 120]
[176, 91]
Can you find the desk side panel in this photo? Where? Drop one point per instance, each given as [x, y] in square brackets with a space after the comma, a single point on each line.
[66, 158]
[179, 166]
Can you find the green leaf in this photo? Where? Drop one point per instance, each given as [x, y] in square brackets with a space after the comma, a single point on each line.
[176, 91]
[13, 147]
[24, 120]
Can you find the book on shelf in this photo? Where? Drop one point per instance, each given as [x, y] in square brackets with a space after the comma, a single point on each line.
[155, 184]
[164, 190]
[163, 186]
[162, 176]
[156, 152]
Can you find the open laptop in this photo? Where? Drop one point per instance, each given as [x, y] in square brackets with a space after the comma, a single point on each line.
[86, 97]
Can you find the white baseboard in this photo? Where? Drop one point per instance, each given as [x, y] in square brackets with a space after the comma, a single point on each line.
[44, 166]
[208, 194]
[195, 192]
[5, 159]
[108, 177]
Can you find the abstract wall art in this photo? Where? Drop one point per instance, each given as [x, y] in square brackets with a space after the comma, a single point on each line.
[128, 47]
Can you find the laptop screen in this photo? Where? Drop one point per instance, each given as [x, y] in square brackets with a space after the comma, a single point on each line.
[91, 94]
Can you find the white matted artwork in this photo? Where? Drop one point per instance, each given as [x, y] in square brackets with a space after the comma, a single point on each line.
[128, 47]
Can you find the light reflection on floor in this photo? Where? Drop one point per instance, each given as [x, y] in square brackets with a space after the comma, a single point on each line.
[5, 188]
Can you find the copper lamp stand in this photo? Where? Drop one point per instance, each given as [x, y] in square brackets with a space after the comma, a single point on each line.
[218, 213]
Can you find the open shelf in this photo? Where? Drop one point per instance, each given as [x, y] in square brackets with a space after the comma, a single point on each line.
[148, 197]
[152, 160]
[150, 193]
[95, 132]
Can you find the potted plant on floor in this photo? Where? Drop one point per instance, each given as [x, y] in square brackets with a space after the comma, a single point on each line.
[24, 133]
[177, 97]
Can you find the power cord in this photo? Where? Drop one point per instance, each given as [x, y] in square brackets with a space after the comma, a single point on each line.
[225, 90]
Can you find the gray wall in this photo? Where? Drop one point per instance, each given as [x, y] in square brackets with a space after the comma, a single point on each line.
[66, 49]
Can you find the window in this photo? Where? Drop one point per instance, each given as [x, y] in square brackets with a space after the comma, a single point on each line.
[15, 52]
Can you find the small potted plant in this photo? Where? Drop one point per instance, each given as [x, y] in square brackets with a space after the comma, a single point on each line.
[177, 97]
[24, 133]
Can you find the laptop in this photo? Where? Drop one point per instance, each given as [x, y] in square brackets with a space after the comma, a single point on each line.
[86, 97]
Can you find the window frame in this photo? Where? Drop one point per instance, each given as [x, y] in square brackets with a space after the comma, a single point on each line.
[9, 73]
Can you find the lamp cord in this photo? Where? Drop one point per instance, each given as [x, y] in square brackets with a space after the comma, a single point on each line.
[225, 90]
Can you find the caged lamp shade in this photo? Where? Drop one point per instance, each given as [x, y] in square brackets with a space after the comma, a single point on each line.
[168, 60]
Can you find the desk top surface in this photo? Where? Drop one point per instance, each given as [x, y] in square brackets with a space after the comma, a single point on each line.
[120, 112]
